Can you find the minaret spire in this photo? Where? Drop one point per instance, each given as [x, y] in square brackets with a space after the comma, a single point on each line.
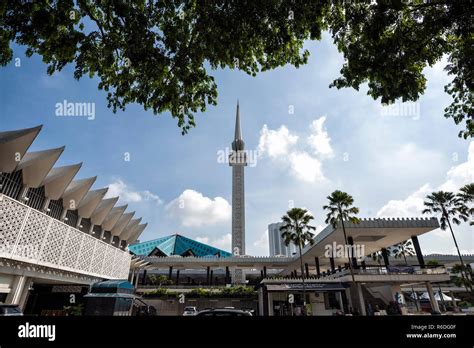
[238, 132]
[238, 143]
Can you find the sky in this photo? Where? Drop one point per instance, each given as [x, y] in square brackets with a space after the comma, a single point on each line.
[304, 138]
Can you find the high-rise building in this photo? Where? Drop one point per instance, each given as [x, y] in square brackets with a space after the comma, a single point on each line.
[276, 242]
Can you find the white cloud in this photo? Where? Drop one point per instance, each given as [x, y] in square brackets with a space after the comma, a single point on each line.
[126, 194]
[319, 140]
[261, 245]
[224, 242]
[281, 146]
[194, 210]
[461, 174]
[204, 240]
[275, 143]
[412, 206]
[305, 168]
[408, 207]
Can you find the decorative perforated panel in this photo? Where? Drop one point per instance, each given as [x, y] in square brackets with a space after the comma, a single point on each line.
[108, 263]
[54, 242]
[72, 248]
[31, 236]
[98, 258]
[11, 219]
[84, 261]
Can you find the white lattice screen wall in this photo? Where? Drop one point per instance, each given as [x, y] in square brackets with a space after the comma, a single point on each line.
[31, 236]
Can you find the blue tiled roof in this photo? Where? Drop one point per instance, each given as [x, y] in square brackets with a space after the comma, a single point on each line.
[176, 245]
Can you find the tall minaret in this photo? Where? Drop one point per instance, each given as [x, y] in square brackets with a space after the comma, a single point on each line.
[238, 160]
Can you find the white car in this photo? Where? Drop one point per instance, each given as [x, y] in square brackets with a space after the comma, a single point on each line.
[190, 311]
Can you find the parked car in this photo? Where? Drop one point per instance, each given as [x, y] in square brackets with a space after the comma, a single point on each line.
[224, 312]
[189, 311]
[10, 310]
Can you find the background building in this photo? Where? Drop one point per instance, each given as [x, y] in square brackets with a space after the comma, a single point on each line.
[276, 242]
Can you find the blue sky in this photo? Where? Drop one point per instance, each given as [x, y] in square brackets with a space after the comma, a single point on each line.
[333, 139]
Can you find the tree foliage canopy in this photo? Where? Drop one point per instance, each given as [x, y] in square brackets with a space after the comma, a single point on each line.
[160, 54]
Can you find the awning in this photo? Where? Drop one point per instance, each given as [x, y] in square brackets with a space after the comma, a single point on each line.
[319, 287]
[425, 296]
[94, 295]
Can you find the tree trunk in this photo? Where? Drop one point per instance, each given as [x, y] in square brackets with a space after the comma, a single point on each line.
[412, 290]
[350, 260]
[302, 277]
[463, 268]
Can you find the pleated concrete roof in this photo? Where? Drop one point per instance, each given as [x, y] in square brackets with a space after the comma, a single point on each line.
[122, 223]
[102, 210]
[136, 233]
[113, 217]
[13, 146]
[58, 180]
[127, 232]
[36, 165]
[90, 202]
[37, 170]
[76, 191]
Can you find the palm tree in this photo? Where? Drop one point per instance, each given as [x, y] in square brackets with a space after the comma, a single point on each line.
[340, 209]
[450, 207]
[296, 230]
[466, 199]
[377, 256]
[404, 249]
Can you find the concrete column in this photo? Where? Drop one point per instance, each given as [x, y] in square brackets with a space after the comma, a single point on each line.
[17, 288]
[361, 299]
[453, 299]
[177, 277]
[211, 277]
[399, 298]
[318, 270]
[349, 298]
[23, 193]
[339, 300]
[385, 257]
[45, 205]
[434, 303]
[333, 266]
[419, 255]
[350, 240]
[227, 275]
[270, 304]
[137, 277]
[26, 292]
[306, 267]
[208, 269]
[170, 272]
[63, 214]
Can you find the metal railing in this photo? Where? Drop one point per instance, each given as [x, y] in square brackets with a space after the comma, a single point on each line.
[31, 236]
